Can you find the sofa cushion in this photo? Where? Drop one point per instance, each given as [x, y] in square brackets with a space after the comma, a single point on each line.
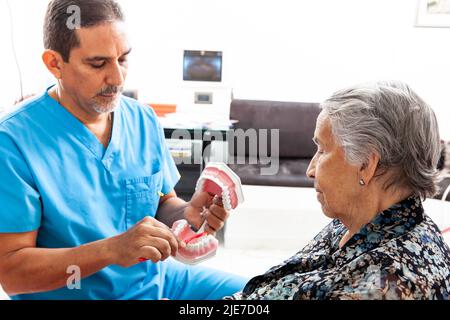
[295, 120]
[291, 172]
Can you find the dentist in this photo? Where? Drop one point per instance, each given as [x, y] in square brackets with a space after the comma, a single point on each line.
[87, 180]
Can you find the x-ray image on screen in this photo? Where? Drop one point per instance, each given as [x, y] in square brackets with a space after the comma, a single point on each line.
[202, 66]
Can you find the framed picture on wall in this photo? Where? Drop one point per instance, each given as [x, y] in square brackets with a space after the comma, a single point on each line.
[433, 13]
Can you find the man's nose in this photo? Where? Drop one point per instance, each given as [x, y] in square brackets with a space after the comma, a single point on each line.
[116, 75]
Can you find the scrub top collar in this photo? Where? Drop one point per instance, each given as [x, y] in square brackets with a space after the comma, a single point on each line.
[76, 128]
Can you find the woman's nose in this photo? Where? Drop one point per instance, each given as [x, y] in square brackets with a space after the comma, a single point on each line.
[311, 171]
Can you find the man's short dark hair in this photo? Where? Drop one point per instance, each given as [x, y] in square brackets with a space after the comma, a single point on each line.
[60, 37]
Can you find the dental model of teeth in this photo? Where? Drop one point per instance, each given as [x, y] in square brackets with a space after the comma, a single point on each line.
[199, 246]
[219, 180]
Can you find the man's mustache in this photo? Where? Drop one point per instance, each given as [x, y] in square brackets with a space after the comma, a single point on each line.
[110, 90]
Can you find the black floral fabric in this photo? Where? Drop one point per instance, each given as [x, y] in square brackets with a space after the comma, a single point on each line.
[400, 254]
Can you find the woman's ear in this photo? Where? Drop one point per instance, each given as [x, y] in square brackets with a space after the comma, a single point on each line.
[54, 62]
[368, 170]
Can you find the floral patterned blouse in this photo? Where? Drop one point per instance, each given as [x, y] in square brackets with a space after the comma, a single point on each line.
[399, 255]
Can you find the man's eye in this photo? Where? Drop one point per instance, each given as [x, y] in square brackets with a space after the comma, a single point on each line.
[98, 65]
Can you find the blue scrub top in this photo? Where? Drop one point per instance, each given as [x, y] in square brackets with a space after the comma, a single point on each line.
[57, 178]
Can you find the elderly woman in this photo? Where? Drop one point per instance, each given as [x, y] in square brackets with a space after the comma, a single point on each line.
[377, 150]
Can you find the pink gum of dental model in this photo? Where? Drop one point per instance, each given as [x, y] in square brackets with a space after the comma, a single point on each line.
[220, 180]
[199, 246]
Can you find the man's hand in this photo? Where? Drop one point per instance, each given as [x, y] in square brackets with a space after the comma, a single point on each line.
[148, 239]
[206, 206]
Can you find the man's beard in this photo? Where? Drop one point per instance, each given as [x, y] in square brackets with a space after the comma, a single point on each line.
[109, 104]
[108, 108]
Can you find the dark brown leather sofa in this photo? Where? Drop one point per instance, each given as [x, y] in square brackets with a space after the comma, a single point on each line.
[295, 121]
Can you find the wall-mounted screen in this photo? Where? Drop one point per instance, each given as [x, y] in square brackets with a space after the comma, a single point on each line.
[202, 66]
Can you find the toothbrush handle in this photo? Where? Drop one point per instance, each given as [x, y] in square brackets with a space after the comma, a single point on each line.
[202, 227]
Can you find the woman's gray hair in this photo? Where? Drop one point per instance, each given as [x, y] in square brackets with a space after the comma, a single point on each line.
[388, 118]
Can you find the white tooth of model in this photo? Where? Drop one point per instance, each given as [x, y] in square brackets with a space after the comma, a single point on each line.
[180, 228]
[201, 247]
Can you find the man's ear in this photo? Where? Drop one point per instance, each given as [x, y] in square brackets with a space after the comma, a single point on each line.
[54, 62]
[368, 170]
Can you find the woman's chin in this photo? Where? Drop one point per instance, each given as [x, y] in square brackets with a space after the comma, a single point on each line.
[325, 209]
[327, 213]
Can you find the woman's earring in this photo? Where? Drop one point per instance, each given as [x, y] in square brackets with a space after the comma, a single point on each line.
[361, 182]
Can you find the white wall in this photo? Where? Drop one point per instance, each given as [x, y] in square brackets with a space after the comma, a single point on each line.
[273, 49]
[28, 17]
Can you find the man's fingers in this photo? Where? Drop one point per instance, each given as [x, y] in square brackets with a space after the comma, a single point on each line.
[161, 245]
[201, 199]
[214, 222]
[150, 253]
[210, 231]
[219, 212]
[167, 235]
